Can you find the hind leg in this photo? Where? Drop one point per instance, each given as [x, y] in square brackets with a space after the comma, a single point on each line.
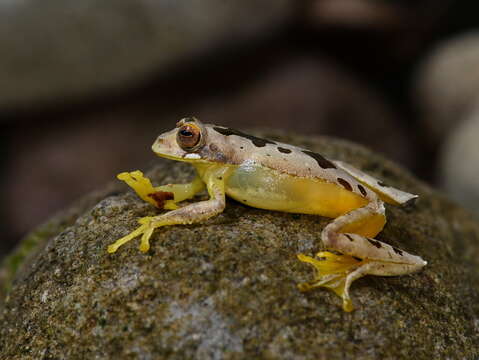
[351, 234]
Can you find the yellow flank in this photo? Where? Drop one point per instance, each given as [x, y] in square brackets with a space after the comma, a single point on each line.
[268, 189]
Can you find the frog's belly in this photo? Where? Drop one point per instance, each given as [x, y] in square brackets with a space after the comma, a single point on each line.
[264, 188]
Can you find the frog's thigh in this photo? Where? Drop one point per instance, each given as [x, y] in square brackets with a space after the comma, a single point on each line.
[367, 221]
[339, 235]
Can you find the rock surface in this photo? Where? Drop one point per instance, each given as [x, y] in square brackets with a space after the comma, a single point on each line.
[226, 288]
[459, 162]
[69, 49]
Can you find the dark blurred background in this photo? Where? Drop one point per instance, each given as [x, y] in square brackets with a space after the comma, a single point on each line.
[86, 86]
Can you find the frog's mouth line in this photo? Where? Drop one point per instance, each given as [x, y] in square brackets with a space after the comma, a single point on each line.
[178, 158]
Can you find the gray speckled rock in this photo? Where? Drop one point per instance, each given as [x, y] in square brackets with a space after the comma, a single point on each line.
[448, 84]
[459, 163]
[64, 49]
[226, 288]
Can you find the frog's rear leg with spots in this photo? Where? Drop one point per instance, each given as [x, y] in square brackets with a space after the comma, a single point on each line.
[352, 235]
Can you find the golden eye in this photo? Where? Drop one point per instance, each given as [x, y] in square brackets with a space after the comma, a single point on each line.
[188, 136]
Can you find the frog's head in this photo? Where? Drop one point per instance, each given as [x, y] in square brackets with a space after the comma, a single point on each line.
[184, 142]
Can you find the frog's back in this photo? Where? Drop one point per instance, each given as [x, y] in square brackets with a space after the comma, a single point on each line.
[237, 148]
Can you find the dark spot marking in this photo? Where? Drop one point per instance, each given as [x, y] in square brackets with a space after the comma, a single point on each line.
[362, 189]
[323, 162]
[397, 251]
[241, 147]
[283, 150]
[380, 183]
[245, 200]
[160, 197]
[345, 184]
[213, 147]
[357, 258]
[349, 237]
[220, 178]
[258, 142]
[375, 243]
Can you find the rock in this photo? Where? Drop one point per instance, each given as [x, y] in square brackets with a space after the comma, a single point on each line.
[382, 36]
[358, 14]
[448, 84]
[36, 239]
[459, 162]
[226, 288]
[63, 50]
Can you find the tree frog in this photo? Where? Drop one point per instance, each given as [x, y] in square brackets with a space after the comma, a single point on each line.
[274, 176]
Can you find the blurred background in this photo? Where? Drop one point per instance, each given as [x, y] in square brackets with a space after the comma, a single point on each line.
[86, 86]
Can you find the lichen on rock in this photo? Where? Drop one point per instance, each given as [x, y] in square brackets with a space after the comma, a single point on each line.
[226, 288]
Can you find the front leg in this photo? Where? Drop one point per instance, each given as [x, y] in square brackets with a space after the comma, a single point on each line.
[162, 197]
[189, 214]
[351, 234]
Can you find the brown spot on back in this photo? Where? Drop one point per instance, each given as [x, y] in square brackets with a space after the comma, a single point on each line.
[349, 237]
[284, 150]
[375, 243]
[213, 147]
[362, 189]
[345, 184]
[160, 197]
[258, 142]
[380, 183]
[397, 251]
[322, 162]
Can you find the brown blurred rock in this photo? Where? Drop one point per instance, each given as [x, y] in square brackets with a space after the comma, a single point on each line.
[459, 162]
[60, 50]
[380, 34]
[354, 13]
[448, 84]
[383, 15]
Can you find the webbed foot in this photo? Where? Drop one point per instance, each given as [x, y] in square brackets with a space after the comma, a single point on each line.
[335, 272]
[145, 230]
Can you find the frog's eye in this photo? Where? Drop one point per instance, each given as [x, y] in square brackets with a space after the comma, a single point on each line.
[188, 136]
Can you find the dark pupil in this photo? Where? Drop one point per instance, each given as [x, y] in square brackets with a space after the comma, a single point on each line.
[186, 133]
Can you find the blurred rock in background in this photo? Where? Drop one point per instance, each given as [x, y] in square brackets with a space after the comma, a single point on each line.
[448, 84]
[86, 87]
[65, 50]
[459, 161]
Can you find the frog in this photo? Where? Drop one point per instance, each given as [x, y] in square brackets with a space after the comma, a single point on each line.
[275, 176]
